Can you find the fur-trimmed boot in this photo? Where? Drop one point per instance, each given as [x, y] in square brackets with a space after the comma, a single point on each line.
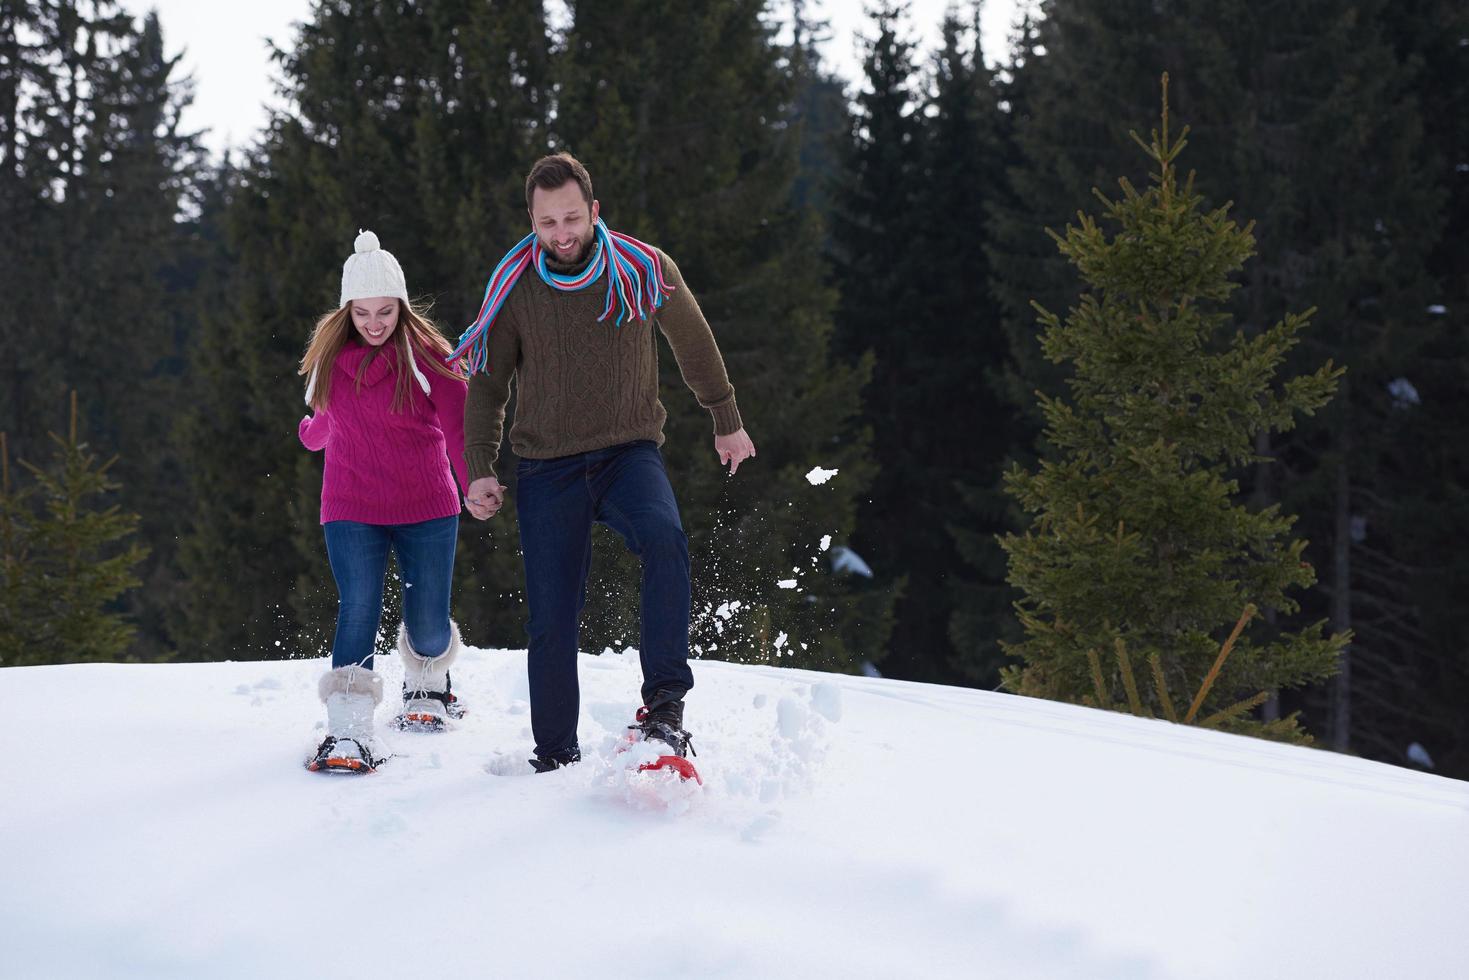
[428, 702]
[350, 694]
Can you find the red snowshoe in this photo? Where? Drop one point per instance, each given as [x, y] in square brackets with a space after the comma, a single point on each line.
[662, 720]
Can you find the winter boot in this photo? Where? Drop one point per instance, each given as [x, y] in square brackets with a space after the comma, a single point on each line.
[350, 694]
[548, 763]
[427, 700]
[662, 719]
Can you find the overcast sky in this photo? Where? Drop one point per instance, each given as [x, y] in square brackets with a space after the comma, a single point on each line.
[225, 50]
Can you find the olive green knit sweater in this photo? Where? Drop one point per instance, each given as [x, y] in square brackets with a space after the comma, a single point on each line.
[580, 384]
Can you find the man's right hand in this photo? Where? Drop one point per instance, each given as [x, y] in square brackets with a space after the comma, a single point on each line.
[485, 498]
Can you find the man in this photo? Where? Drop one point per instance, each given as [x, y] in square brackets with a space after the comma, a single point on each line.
[569, 314]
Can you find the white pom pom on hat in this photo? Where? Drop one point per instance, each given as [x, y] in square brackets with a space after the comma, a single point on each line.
[371, 271]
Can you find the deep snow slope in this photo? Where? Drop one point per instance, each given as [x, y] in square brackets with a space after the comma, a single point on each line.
[155, 821]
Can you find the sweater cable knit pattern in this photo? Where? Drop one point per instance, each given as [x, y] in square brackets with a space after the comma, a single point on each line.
[582, 384]
[382, 466]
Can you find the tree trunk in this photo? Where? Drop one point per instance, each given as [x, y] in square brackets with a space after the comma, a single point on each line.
[1264, 496]
[1341, 584]
[1264, 492]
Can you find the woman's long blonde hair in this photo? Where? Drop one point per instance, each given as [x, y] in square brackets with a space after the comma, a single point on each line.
[335, 329]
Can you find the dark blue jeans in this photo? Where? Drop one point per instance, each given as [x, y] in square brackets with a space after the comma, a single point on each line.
[558, 500]
[359, 557]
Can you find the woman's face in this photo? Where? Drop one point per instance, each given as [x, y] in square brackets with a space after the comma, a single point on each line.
[375, 318]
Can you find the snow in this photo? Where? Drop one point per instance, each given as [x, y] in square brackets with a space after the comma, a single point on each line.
[158, 823]
[845, 561]
[1404, 393]
[818, 476]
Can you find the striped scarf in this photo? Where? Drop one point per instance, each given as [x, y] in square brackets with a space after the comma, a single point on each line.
[635, 287]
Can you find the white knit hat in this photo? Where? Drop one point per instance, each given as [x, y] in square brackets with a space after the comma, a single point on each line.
[371, 271]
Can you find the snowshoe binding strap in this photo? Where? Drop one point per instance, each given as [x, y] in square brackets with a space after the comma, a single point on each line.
[327, 761]
[664, 729]
[423, 721]
[452, 705]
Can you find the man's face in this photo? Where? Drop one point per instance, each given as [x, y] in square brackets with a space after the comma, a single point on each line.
[563, 222]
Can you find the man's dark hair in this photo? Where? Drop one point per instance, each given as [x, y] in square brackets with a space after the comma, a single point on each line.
[554, 171]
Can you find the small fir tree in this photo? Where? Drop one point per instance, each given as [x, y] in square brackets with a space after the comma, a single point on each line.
[16, 580]
[1140, 557]
[64, 567]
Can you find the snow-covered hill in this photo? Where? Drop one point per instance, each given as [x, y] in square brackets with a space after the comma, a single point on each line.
[155, 821]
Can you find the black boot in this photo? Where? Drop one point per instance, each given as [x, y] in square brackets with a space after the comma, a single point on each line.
[662, 719]
[549, 763]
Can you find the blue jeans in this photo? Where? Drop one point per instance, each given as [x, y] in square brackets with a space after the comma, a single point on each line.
[558, 500]
[359, 557]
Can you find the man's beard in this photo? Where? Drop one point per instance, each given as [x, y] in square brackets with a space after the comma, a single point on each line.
[579, 257]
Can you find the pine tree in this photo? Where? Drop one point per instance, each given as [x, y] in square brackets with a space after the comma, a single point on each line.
[66, 562]
[947, 462]
[1322, 92]
[875, 207]
[819, 108]
[1318, 124]
[683, 117]
[98, 175]
[17, 579]
[1411, 675]
[1140, 553]
[983, 619]
[923, 160]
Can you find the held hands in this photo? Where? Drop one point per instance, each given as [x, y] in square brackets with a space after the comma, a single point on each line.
[485, 498]
[734, 449]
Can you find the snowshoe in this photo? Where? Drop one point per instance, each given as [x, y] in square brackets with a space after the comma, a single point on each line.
[350, 695]
[424, 711]
[661, 720]
[344, 755]
[428, 699]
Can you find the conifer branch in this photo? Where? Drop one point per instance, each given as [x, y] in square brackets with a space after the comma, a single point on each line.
[1238, 708]
[1161, 686]
[1219, 663]
[1129, 683]
[1104, 697]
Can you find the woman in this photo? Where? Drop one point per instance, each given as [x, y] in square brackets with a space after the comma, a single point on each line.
[388, 406]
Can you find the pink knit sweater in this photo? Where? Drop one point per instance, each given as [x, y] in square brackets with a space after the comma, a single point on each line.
[386, 467]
